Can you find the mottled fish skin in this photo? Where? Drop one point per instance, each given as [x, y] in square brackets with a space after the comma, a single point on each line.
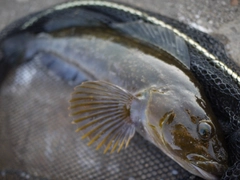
[172, 105]
[34, 23]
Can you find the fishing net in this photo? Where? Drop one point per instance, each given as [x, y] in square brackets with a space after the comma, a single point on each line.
[37, 138]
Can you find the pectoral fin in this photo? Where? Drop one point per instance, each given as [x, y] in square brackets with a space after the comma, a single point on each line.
[103, 112]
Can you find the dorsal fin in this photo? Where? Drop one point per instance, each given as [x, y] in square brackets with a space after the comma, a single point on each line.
[158, 36]
[103, 112]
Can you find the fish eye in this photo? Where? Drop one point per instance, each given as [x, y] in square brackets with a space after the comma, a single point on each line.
[205, 130]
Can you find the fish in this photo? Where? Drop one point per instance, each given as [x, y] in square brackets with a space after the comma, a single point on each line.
[125, 88]
[129, 88]
[133, 92]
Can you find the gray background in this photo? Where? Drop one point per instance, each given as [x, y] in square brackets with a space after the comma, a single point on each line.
[220, 18]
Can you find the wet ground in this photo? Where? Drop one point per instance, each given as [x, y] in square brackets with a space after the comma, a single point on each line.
[220, 18]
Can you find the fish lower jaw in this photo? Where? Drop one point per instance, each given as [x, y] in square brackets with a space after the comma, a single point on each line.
[209, 169]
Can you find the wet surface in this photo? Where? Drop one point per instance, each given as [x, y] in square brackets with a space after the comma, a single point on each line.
[220, 18]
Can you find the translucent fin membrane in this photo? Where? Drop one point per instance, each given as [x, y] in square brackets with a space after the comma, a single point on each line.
[158, 36]
[103, 112]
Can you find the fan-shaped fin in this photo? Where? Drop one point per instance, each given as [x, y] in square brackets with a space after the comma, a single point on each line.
[103, 112]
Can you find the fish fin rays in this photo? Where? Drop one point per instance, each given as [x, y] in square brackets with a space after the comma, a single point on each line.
[158, 36]
[103, 112]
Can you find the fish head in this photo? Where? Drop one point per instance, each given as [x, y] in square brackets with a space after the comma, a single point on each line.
[186, 130]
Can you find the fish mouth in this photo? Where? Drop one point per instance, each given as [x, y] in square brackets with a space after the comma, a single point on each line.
[208, 168]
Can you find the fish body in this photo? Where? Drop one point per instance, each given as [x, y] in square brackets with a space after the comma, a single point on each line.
[126, 88]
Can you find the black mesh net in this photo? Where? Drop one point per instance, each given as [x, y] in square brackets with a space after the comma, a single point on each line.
[37, 139]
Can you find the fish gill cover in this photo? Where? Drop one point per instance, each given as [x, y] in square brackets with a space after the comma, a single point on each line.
[37, 140]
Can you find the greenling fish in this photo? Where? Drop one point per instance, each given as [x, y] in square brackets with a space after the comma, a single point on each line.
[128, 91]
[128, 87]
[142, 83]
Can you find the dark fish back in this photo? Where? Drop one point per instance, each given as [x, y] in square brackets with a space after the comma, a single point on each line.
[222, 90]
